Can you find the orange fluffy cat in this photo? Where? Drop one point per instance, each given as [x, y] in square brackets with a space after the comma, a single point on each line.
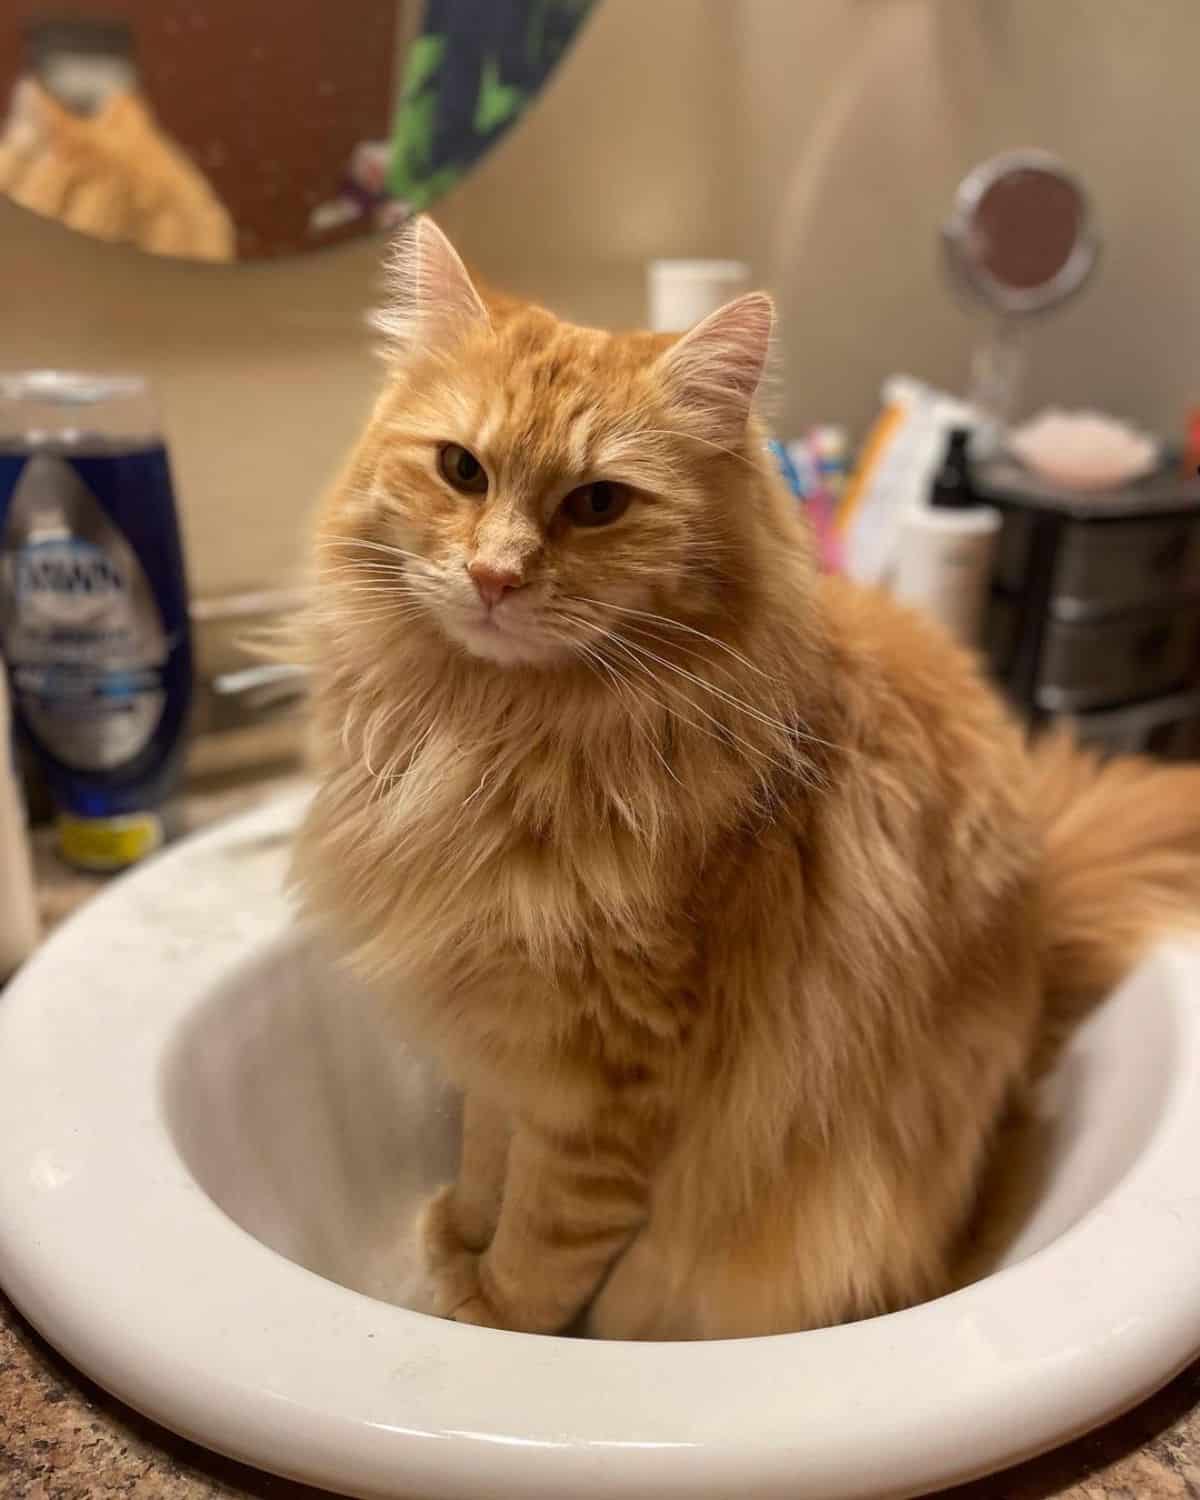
[729, 894]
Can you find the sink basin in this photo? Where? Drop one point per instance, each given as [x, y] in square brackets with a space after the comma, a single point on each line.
[211, 1147]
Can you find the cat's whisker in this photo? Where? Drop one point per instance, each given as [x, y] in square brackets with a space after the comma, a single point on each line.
[395, 590]
[792, 730]
[692, 437]
[795, 765]
[604, 637]
[670, 645]
[646, 735]
[360, 568]
[399, 588]
[649, 615]
[362, 574]
[726, 697]
[623, 686]
[356, 544]
[597, 664]
[377, 614]
[345, 575]
[722, 734]
[372, 592]
[698, 656]
[636, 650]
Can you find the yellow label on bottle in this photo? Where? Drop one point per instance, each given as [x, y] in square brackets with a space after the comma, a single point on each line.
[108, 843]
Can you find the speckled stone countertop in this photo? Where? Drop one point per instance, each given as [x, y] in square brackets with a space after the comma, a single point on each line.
[62, 1438]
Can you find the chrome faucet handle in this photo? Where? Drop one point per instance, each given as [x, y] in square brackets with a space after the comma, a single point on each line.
[262, 689]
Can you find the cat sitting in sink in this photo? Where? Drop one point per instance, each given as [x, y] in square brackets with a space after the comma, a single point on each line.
[737, 905]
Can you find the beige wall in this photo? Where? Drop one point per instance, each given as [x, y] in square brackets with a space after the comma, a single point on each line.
[264, 371]
[820, 139]
[848, 202]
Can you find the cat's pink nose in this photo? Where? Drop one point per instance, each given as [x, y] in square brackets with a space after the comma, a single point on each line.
[493, 583]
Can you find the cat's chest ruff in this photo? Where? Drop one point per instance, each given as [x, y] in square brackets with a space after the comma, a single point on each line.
[496, 856]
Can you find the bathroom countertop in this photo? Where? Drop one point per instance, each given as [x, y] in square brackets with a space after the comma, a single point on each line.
[62, 1438]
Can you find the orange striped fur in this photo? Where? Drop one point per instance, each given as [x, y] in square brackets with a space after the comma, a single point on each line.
[719, 888]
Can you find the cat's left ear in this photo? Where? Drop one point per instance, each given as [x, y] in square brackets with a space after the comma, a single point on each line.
[715, 370]
[430, 295]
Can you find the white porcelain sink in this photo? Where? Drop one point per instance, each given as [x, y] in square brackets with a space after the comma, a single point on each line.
[211, 1146]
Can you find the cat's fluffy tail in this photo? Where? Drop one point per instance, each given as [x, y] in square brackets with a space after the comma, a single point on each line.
[1122, 867]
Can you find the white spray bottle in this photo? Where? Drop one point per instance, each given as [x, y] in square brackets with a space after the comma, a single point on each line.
[946, 546]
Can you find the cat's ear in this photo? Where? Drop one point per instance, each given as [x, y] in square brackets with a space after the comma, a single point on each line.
[430, 296]
[714, 371]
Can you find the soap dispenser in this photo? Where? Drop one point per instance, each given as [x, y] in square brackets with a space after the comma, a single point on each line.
[944, 556]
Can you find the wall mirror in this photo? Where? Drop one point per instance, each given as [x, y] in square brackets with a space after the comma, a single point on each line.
[224, 130]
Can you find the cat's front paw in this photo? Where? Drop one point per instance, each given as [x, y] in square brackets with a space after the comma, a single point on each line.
[453, 1268]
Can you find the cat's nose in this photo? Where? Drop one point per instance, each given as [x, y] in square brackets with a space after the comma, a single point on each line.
[493, 583]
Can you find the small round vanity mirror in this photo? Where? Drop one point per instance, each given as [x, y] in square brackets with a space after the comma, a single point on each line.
[1021, 236]
[1020, 239]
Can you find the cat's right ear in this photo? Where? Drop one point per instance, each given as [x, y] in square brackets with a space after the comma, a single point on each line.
[714, 371]
[430, 296]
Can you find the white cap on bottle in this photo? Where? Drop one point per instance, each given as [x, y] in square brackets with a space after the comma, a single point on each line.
[679, 293]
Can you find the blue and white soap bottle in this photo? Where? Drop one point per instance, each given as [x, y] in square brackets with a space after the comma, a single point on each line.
[93, 606]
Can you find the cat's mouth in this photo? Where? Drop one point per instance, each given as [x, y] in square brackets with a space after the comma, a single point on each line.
[494, 636]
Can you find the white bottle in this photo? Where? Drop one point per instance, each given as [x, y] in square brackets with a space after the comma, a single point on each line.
[945, 550]
[679, 293]
[18, 905]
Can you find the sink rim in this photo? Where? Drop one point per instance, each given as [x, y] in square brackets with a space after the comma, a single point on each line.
[399, 1404]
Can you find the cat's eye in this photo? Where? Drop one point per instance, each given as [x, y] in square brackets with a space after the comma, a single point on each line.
[597, 504]
[462, 469]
